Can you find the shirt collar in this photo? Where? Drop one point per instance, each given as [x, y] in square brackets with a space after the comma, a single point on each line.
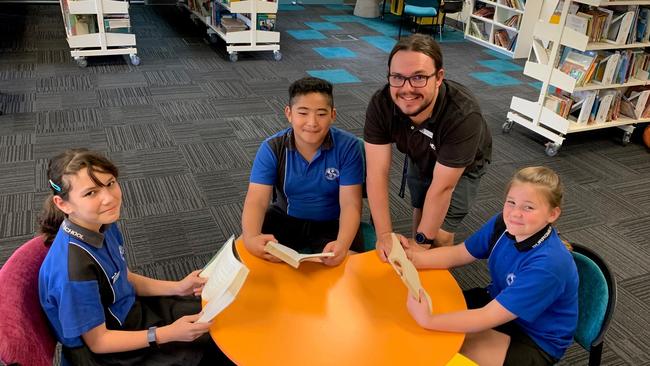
[327, 144]
[87, 236]
[532, 241]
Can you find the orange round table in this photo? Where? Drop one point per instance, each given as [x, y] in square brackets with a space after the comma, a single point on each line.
[353, 314]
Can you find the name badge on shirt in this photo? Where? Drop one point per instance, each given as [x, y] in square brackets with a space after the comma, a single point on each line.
[426, 133]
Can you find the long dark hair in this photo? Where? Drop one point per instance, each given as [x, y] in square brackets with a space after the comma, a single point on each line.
[69, 162]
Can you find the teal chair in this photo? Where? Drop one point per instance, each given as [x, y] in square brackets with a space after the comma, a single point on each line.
[596, 301]
[418, 9]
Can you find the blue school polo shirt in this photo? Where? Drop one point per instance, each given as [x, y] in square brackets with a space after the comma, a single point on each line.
[303, 189]
[83, 282]
[537, 280]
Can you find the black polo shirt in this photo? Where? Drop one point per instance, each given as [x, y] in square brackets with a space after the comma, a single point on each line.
[456, 135]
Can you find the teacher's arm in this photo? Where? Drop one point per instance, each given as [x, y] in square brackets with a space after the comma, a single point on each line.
[378, 160]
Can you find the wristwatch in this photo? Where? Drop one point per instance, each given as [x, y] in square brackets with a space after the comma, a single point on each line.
[151, 337]
[420, 238]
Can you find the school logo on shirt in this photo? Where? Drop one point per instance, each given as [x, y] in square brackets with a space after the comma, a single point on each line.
[510, 278]
[331, 173]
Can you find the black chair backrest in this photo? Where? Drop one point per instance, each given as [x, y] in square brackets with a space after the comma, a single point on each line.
[452, 6]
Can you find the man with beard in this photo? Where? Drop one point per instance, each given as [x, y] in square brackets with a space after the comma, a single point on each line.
[438, 124]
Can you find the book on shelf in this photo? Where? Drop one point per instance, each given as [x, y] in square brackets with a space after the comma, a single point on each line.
[513, 21]
[557, 13]
[606, 69]
[407, 271]
[292, 257]
[266, 22]
[226, 275]
[582, 105]
[233, 24]
[485, 12]
[477, 29]
[117, 24]
[578, 22]
[619, 28]
[501, 38]
[560, 104]
[576, 64]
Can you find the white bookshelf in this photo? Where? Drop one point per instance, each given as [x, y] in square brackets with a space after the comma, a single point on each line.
[250, 39]
[533, 114]
[100, 42]
[502, 12]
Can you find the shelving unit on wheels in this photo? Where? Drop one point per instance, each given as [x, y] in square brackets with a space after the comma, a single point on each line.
[535, 115]
[98, 28]
[505, 26]
[257, 19]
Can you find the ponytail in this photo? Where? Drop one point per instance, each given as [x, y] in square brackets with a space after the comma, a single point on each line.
[49, 220]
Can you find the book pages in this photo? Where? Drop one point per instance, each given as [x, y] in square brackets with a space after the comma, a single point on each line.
[290, 256]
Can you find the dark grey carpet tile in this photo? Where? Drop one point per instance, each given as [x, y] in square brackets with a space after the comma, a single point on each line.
[179, 111]
[8, 246]
[124, 96]
[16, 224]
[61, 83]
[16, 148]
[208, 64]
[256, 72]
[17, 102]
[215, 156]
[65, 100]
[59, 56]
[17, 177]
[166, 77]
[604, 202]
[16, 71]
[608, 242]
[576, 355]
[70, 120]
[214, 129]
[183, 133]
[173, 269]
[575, 217]
[473, 275]
[40, 179]
[18, 86]
[120, 79]
[49, 145]
[629, 335]
[131, 114]
[176, 92]
[160, 195]
[218, 188]
[633, 156]
[226, 89]
[636, 229]
[159, 162]
[257, 127]
[228, 218]
[137, 137]
[19, 202]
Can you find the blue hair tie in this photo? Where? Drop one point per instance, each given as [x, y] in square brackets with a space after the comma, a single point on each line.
[54, 186]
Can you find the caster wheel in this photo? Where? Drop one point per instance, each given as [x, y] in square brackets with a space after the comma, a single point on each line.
[213, 38]
[626, 138]
[233, 57]
[277, 55]
[552, 149]
[81, 61]
[507, 126]
[135, 60]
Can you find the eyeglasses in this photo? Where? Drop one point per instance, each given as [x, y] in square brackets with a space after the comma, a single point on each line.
[416, 81]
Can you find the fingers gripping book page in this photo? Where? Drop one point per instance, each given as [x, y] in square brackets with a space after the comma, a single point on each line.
[226, 275]
[290, 256]
[406, 271]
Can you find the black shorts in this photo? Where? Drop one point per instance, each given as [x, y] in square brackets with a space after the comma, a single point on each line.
[522, 351]
[461, 200]
[304, 236]
[155, 311]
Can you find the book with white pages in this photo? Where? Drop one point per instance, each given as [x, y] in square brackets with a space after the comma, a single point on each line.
[292, 257]
[226, 275]
[603, 108]
[620, 28]
[585, 101]
[540, 51]
[577, 22]
[610, 64]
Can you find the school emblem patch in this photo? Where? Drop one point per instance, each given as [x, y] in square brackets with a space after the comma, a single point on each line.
[510, 278]
[331, 173]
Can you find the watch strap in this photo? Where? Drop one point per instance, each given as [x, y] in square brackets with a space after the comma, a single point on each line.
[151, 337]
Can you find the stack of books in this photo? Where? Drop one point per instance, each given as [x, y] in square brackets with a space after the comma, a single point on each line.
[232, 25]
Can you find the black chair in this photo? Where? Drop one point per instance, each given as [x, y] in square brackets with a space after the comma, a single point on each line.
[418, 9]
[596, 301]
[449, 7]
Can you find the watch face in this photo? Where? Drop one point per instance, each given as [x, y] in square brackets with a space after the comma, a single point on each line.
[419, 238]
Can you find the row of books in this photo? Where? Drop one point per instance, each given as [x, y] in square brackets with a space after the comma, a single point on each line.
[616, 24]
[484, 12]
[502, 39]
[477, 30]
[516, 4]
[513, 21]
[605, 68]
[587, 107]
[80, 24]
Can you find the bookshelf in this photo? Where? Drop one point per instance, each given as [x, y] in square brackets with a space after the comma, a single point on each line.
[98, 28]
[245, 25]
[552, 48]
[505, 26]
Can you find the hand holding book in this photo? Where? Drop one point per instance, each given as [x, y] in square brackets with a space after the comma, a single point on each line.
[292, 257]
[407, 272]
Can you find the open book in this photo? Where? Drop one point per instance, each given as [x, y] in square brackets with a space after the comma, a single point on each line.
[290, 256]
[406, 271]
[226, 275]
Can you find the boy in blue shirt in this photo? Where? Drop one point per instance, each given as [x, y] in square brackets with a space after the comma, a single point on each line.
[314, 173]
